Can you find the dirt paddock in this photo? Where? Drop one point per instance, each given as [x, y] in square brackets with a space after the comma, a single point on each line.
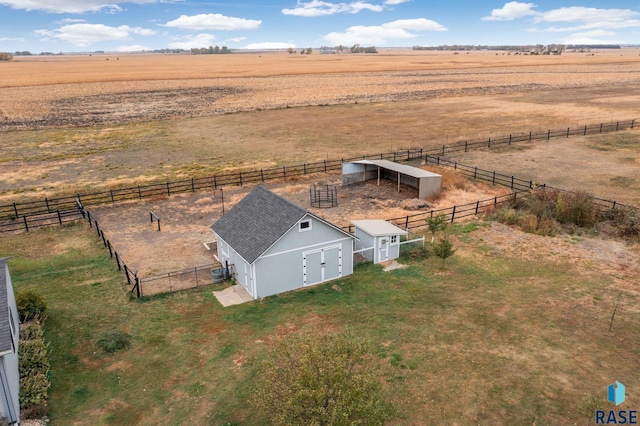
[185, 220]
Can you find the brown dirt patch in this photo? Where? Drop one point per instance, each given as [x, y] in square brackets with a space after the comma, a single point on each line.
[186, 219]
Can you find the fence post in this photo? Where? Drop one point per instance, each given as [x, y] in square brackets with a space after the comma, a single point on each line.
[117, 260]
[104, 240]
[215, 184]
[489, 146]
[196, 271]
[168, 190]
[59, 217]
[240, 178]
[284, 172]
[455, 165]
[394, 157]
[26, 225]
[475, 173]
[453, 214]
[193, 188]
[137, 285]
[97, 227]
[493, 181]
[567, 131]
[89, 219]
[600, 127]
[530, 184]
[46, 200]
[111, 193]
[585, 130]
[477, 207]
[426, 159]
[443, 150]
[548, 134]
[110, 249]
[139, 193]
[632, 123]
[15, 210]
[408, 155]
[509, 139]
[406, 223]
[325, 168]
[512, 183]
[262, 175]
[465, 146]
[614, 205]
[304, 168]
[438, 162]
[617, 125]
[529, 136]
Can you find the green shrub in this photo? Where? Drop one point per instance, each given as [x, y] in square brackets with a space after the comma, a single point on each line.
[31, 331]
[113, 341]
[30, 305]
[321, 379]
[575, 207]
[33, 363]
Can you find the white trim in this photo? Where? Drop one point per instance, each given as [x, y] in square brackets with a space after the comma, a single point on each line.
[322, 262]
[303, 248]
[306, 229]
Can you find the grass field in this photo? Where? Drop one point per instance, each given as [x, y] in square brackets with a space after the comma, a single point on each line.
[488, 339]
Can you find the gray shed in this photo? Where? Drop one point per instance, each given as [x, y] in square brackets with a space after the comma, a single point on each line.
[427, 183]
[378, 240]
[9, 338]
[273, 245]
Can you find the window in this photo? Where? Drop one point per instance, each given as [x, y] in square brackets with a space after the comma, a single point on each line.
[394, 240]
[305, 225]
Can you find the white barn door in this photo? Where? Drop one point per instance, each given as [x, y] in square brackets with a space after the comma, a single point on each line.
[321, 265]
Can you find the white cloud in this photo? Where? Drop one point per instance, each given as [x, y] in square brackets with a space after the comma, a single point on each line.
[20, 39]
[592, 37]
[213, 21]
[394, 2]
[323, 8]
[380, 34]
[269, 45]
[132, 48]
[236, 39]
[66, 6]
[510, 11]
[87, 34]
[70, 21]
[195, 41]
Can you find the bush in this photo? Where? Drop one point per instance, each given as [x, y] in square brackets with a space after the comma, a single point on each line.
[321, 379]
[30, 305]
[33, 364]
[5, 56]
[575, 207]
[113, 341]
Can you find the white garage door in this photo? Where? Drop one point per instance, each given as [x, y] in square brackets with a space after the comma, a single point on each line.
[321, 265]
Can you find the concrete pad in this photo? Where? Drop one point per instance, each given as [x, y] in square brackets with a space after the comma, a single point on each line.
[390, 265]
[234, 295]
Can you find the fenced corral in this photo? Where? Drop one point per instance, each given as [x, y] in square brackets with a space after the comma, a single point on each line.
[177, 280]
[15, 211]
[323, 196]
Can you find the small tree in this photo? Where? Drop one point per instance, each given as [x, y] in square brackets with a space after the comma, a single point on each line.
[309, 51]
[444, 249]
[435, 224]
[5, 56]
[30, 305]
[321, 379]
[290, 50]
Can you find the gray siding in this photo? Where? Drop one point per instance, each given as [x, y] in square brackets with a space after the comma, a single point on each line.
[237, 265]
[284, 271]
[9, 372]
[365, 241]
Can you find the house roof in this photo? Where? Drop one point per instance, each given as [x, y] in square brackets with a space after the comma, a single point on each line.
[400, 168]
[5, 330]
[258, 221]
[378, 227]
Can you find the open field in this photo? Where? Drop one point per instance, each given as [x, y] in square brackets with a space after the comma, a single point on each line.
[155, 117]
[513, 330]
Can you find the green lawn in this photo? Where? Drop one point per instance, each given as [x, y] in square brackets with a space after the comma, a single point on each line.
[486, 340]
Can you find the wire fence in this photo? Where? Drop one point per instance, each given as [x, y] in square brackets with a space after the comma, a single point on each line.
[17, 210]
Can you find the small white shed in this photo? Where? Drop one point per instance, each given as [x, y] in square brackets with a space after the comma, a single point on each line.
[377, 240]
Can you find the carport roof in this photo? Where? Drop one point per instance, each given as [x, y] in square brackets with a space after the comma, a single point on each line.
[400, 168]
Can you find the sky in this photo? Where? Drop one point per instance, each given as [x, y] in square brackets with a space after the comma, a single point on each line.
[135, 25]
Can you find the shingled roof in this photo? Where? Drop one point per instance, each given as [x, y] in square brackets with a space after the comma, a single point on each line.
[5, 330]
[256, 222]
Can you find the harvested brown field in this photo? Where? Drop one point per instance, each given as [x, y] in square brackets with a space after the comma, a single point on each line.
[88, 90]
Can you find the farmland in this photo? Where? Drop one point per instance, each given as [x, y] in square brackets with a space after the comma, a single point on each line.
[514, 329]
